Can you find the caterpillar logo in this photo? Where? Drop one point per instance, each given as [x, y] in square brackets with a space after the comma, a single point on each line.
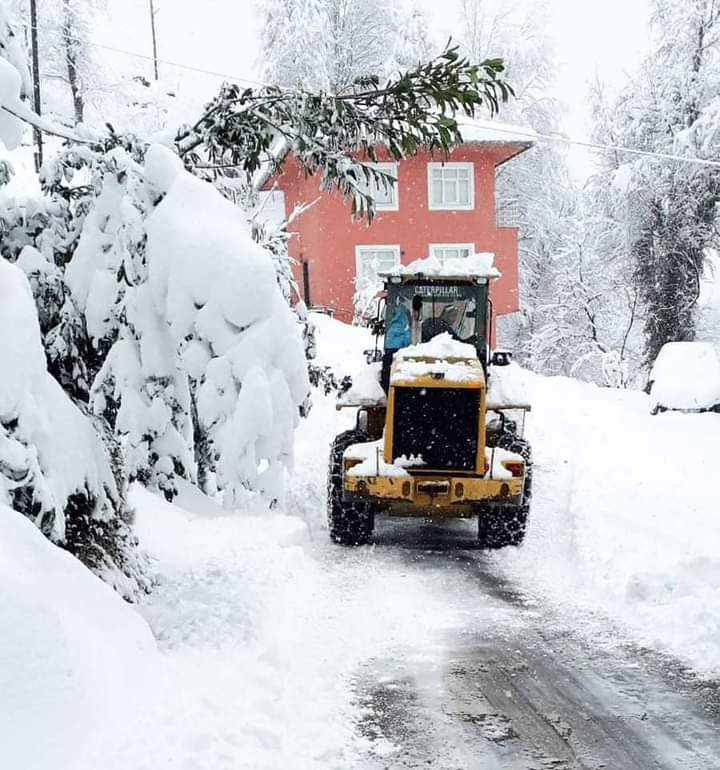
[438, 291]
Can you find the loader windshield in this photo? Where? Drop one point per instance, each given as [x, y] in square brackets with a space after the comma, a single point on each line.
[418, 311]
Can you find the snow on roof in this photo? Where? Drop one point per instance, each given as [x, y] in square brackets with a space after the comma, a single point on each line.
[495, 132]
[473, 130]
[475, 266]
[278, 149]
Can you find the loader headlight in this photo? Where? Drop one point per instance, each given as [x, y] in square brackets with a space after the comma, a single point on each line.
[516, 468]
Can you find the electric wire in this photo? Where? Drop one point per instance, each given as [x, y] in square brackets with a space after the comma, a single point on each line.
[516, 133]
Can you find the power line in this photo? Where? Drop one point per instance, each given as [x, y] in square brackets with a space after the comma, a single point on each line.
[518, 134]
[178, 65]
[214, 73]
[531, 135]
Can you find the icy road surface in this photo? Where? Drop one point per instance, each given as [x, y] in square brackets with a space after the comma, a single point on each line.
[501, 682]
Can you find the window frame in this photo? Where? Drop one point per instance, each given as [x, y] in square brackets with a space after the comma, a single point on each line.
[469, 246]
[392, 168]
[470, 206]
[359, 248]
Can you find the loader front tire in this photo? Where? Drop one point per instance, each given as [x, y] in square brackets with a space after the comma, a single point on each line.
[350, 522]
[501, 526]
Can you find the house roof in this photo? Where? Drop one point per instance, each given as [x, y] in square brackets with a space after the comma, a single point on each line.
[473, 130]
[477, 130]
[516, 139]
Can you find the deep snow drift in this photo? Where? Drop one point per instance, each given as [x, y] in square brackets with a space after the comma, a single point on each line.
[624, 517]
[74, 656]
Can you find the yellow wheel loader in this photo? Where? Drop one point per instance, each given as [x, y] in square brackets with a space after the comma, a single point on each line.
[431, 438]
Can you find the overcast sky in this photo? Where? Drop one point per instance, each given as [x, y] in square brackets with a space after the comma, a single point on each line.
[604, 36]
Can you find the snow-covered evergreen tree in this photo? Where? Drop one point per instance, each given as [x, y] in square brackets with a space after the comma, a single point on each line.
[666, 210]
[58, 466]
[329, 44]
[70, 70]
[55, 467]
[294, 45]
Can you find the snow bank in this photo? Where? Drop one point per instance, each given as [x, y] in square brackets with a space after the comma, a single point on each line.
[624, 519]
[245, 679]
[46, 443]
[74, 655]
[494, 132]
[339, 346]
[475, 266]
[686, 375]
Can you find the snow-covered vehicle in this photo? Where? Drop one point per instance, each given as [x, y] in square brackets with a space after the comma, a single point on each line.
[431, 438]
[685, 377]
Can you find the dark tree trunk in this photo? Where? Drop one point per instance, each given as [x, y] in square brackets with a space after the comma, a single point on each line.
[71, 44]
[37, 104]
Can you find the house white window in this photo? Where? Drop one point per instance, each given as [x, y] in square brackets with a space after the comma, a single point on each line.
[445, 251]
[385, 195]
[370, 261]
[451, 186]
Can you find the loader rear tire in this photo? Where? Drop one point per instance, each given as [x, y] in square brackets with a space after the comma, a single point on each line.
[350, 522]
[499, 527]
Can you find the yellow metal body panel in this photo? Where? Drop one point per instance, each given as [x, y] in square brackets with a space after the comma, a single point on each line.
[434, 494]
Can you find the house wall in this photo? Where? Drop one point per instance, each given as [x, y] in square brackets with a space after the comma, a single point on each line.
[326, 235]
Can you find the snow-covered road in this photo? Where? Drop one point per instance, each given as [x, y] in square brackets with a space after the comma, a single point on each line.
[417, 651]
[594, 645]
[504, 682]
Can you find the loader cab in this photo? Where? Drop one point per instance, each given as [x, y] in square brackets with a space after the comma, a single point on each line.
[418, 308]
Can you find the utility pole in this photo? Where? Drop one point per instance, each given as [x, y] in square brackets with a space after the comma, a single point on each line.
[36, 81]
[154, 38]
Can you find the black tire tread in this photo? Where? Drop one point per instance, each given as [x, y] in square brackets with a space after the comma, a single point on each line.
[349, 522]
[499, 527]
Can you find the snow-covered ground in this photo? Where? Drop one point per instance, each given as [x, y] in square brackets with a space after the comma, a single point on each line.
[625, 518]
[263, 628]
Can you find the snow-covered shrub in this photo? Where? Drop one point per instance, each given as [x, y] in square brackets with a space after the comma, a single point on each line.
[234, 333]
[54, 467]
[203, 367]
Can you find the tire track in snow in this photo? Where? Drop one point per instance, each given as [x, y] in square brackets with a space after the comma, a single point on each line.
[513, 683]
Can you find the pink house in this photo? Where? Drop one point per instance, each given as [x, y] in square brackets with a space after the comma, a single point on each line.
[435, 208]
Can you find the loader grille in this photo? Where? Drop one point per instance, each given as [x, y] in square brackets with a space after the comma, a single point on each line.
[440, 424]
